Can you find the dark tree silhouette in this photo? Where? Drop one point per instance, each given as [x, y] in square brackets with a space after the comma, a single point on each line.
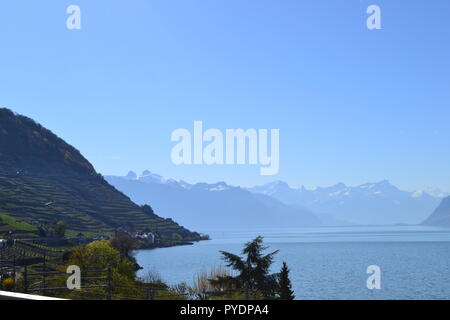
[124, 243]
[284, 284]
[147, 209]
[60, 229]
[253, 269]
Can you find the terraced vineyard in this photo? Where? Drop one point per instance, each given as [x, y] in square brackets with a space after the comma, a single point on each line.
[22, 253]
[43, 179]
[85, 204]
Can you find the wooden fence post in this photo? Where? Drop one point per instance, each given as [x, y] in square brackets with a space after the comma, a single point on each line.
[25, 280]
[109, 285]
[43, 276]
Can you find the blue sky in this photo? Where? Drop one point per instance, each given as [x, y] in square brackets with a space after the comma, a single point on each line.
[352, 105]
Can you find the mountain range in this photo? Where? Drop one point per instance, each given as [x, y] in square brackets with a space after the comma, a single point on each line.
[219, 205]
[205, 206]
[378, 203]
[43, 180]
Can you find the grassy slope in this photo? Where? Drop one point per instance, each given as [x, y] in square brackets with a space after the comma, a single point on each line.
[8, 223]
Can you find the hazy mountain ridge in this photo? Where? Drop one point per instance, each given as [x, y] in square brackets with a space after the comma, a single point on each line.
[369, 203]
[206, 206]
[44, 179]
[378, 203]
[441, 216]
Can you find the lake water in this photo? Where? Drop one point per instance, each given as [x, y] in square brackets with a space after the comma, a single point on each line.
[328, 263]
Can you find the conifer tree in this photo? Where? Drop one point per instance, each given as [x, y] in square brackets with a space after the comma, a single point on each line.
[253, 269]
[285, 291]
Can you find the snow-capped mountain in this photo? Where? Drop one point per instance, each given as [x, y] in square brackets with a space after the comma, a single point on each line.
[369, 203]
[206, 206]
[150, 177]
[218, 205]
[435, 192]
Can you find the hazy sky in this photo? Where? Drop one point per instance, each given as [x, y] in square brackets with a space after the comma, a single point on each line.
[352, 105]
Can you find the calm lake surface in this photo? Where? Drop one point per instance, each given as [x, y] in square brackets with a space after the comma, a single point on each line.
[328, 263]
